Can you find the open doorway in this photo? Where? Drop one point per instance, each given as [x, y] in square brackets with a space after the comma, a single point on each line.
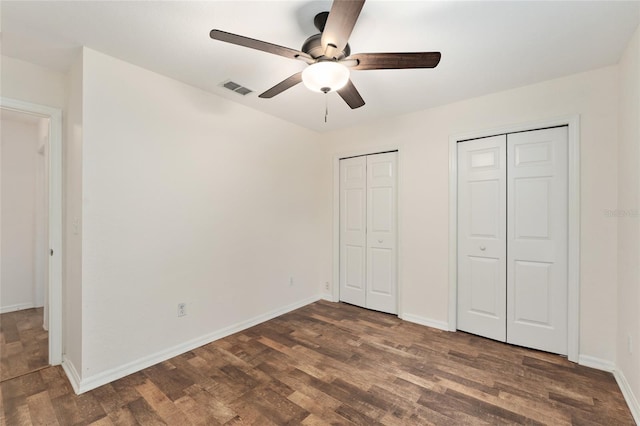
[30, 237]
[24, 342]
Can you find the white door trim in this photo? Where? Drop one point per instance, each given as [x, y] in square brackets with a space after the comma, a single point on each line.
[335, 285]
[55, 217]
[573, 308]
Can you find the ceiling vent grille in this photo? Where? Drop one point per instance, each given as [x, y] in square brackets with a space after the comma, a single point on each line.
[235, 87]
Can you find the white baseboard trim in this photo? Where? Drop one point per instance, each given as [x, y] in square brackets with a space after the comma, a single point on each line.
[17, 307]
[625, 388]
[631, 399]
[86, 384]
[597, 363]
[72, 374]
[440, 325]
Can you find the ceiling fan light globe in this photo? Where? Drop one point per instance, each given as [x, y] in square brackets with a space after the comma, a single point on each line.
[327, 76]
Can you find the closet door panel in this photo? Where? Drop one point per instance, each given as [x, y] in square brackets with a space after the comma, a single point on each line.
[381, 232]
[537, 239]
[482, 237]
[353, 229]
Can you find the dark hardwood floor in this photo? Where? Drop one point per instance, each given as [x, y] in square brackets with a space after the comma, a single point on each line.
[331, 363]
[24, 344]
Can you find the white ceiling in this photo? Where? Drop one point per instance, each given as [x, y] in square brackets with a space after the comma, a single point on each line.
[486, 46]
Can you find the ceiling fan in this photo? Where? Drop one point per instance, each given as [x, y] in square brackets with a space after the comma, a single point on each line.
[329, 56]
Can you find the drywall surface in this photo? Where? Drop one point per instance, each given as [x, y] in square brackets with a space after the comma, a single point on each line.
[18, 228]
[423, 139]
[627, 218]
[188, 198]
[27, 82]
[72, 220]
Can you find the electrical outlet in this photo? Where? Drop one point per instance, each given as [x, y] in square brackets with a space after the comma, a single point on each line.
[290, 281]
[182, 309]
[629, 343]
[326, 285]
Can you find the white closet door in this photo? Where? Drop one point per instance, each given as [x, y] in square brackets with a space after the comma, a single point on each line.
[353, 232]
[537, 239]
[482, 237]
[368, 231]
[381, 232]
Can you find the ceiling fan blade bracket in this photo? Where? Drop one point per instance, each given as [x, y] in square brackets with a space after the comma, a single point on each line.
[331, 51]
[349, 62]
[305, 59]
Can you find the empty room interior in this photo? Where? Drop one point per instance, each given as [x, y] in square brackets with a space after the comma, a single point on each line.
[320, 212]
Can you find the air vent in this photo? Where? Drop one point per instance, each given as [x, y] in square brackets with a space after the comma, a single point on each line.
[243, 90]
[235, 87]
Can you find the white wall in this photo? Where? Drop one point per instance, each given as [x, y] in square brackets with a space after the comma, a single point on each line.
[32, 83]
[628, 222]
[72, 226]
[423, 190]
[188, 197]
[19, 140]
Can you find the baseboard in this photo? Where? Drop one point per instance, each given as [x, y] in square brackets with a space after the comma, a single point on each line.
[72, 374]
[631, 399]
[440, 325]
[108, 376]
[597, 363]
[17, 307]
[328, 297]
[627, 392]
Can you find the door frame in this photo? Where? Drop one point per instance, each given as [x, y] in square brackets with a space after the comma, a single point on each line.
[54, 215]
[573, 255]
[334, 292]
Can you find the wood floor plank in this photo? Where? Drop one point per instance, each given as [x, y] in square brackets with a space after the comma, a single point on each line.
[123, 417]
[144, 413]
[24, 343]
[330, 363]
[321, 412]
[161, 404]
[41, 409]
[105, 421]
[66, 409]
[203, 403]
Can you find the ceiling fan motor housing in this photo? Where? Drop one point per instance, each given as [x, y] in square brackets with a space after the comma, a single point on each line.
[313, 47]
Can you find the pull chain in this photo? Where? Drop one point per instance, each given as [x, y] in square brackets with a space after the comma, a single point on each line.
[326, 90]
[326, 107]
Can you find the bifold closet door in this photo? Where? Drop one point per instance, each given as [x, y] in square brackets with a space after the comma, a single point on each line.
[368, 231]
[482, 232]
[537, 239]
[353, 230]
[512, 238]
[381, 232]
